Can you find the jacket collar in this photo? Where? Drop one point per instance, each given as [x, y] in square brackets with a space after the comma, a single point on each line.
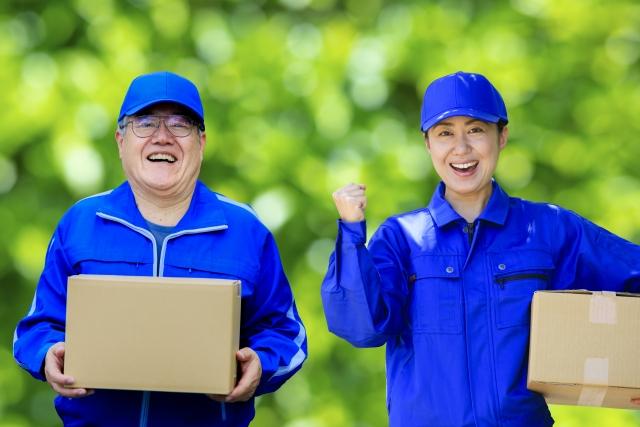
[496, 210]
[205, 210]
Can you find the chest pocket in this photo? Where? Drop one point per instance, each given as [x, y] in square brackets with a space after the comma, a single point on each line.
[220, 268]
[516, 276]
[111, 260]
[436, 297]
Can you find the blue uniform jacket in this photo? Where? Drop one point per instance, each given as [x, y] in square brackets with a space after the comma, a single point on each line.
[217, 237]
[453, 304]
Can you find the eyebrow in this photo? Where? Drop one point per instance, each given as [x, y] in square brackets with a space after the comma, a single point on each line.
[468, 122]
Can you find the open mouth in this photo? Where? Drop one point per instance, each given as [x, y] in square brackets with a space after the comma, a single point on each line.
[464, 167]
[161, 157]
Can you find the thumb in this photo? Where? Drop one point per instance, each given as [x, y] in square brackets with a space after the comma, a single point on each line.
[59, 351]
[243, 355]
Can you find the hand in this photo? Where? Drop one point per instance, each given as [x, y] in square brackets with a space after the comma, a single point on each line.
[53, 366]
[351, 202]
[250, 374]
[636, 401]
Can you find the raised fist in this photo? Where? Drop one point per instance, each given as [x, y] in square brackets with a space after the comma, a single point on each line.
[351, 202]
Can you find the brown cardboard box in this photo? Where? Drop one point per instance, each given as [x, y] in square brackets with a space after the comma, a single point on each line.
[585, 348]
[152, 333]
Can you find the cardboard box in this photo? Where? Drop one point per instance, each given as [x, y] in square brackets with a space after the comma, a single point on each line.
[585, 348]
[152, 333]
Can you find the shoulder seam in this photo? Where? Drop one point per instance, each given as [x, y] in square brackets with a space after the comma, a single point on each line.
[244, 206]
[104, 193]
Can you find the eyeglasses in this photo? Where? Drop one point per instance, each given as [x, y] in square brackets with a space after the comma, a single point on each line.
[178, 125]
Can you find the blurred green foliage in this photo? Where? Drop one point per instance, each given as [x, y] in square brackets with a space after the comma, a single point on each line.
[302, 96]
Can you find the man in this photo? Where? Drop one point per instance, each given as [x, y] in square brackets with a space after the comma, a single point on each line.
[448, 287]
[164, 222]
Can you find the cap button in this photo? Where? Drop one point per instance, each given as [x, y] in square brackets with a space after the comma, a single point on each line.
[449, 269]
[501, 266]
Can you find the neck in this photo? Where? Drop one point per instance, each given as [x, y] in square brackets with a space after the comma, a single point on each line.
[162, 210]
[469, 206]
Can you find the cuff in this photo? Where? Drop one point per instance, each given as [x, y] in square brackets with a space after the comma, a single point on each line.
[353, 232]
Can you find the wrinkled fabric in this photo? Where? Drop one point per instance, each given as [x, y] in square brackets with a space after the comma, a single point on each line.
[453, 304]
[217, 238]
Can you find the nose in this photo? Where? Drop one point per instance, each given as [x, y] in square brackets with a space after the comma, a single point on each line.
[162, 134]
[461, 144]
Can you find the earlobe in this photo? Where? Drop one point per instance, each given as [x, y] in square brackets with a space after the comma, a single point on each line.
[203, 144]
[503, 138]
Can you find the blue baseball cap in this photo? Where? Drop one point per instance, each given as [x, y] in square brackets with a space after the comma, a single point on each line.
[162, 86]
[462, 94]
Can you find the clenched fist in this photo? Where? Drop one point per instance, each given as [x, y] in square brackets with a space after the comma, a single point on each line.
[351, 202]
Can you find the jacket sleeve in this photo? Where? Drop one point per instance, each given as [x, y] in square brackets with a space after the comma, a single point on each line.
[590, 257]
[365, 289]
[44, 324]
[273, 328]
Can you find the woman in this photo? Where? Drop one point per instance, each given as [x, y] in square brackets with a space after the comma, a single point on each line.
[448, 287]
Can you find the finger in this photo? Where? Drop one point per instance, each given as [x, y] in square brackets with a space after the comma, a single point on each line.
[53, 372]
[58, 351]
[243, 390]
[243, 354]
[356, 185]
[71, 392]
[354, 193]
[350, 187]
[59, 378]
[350, 200]
[249, 378]
[217, 397]
[636, 400]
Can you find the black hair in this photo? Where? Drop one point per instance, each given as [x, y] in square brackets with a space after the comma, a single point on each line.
[501, 124]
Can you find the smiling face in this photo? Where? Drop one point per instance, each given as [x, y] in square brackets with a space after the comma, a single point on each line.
[464, 152]
[162, 165]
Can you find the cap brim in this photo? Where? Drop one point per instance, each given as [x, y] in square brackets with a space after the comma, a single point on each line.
[139, 107]
[466, 112]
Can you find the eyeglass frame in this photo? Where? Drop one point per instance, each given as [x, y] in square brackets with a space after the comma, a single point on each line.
[162, 117]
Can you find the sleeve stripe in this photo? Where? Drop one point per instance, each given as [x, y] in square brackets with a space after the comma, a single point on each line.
[300, 355]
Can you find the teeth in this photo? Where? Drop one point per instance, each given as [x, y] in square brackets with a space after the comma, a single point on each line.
[156, 157]
[464, 165]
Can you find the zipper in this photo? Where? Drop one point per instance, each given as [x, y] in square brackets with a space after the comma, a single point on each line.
[223, 412]
[523, 276]
[159, 272]
[144, 408]
[469, 230]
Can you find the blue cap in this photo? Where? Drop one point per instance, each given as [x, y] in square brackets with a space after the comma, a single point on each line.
[162, 86]
[462, 94]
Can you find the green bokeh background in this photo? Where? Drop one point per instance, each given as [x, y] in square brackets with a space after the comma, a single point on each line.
[302, 96]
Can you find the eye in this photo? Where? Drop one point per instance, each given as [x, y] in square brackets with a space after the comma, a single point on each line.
[476, 129]
[145, 122]
[178, 122]
[445, 132]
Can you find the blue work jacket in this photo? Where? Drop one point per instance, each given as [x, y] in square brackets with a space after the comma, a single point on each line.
[217, 237]
[452, 302]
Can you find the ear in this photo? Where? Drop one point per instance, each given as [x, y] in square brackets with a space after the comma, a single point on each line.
[120, 140]
[503, 137]
[426, 142]
[203, 143]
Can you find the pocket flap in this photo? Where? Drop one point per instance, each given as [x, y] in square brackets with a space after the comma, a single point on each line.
[217, 265]
[515, 261]
[443, 266]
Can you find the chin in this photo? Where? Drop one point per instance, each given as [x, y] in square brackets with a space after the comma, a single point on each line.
[162, 187]
[467, 188]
